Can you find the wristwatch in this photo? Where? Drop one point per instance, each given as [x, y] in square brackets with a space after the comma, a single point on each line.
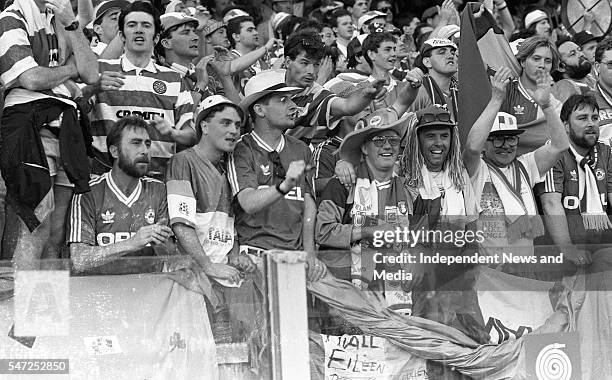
[73, 26]
[202, 91]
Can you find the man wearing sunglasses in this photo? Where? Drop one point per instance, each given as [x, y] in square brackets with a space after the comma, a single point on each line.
[502, 181]
[269, 175]
[378, 201]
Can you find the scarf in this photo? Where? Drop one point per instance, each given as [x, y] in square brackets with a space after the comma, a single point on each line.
[437, 96]
[593, 214]
[522, 219]
[451, 199]
[368, 210]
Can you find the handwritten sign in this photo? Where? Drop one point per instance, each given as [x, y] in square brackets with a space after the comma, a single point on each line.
[368, 357]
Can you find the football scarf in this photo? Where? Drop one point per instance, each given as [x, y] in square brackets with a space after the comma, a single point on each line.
[522, 219]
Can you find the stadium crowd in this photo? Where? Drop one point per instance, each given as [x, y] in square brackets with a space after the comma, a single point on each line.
[221, 130]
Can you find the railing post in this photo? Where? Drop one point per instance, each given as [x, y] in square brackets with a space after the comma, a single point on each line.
[286, 284]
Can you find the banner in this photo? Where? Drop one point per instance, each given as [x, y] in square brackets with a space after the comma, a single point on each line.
[368, 357]
[511, 306]
[123, 327]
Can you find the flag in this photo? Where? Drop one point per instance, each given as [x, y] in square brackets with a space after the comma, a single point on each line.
[482, 44]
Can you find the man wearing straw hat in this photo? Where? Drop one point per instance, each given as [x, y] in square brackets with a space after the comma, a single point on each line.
[268, 173]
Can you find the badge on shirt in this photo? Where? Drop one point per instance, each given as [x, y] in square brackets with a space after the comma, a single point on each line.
[401, 206]
[519, 110]
[159, 87]
[108, 217]
[573, 176]
[150, 216]
[600, 174]
[265, 169]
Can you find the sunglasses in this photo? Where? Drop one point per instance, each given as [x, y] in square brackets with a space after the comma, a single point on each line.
[279, 170]
[499, 141]
[380, 141]
[431, 117]
[385, 9]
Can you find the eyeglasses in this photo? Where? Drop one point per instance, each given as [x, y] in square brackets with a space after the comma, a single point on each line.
[499, 141]
[279, 170]
[608, 64]
[380, 141]
[431, 117]
[385, 9]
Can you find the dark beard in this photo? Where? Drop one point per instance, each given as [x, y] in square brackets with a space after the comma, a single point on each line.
[581, 141]
[130, 168]
[580, 71]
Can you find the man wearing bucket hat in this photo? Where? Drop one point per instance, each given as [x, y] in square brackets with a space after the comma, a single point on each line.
[199, 195]
[379, 201]
[269, 175]
[502, 181]
[369, 18]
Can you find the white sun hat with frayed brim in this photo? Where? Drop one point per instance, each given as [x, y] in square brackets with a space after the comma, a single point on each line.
[264, 83]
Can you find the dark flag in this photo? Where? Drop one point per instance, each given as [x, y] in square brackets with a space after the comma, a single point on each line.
[483, 49]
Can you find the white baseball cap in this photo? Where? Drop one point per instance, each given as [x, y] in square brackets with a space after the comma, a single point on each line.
[209, 102]
[264, 83]
[505, 124]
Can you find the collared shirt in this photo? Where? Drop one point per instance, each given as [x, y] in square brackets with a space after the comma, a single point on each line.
[105, 215]
[278, 226]
[149, 91]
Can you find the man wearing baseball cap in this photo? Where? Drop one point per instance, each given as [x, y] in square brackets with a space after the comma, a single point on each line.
[502, 181]
[588, 43]
[105, 25]
[199, 195]
[439, 61]
[269, 175]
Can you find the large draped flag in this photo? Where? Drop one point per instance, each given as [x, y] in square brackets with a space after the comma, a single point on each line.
[482, 45]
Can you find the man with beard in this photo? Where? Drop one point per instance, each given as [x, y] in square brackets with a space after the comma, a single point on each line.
[269, 176]
[125, 213]
[502, 181]
[575, 70]
[578, 189]
[199, 195]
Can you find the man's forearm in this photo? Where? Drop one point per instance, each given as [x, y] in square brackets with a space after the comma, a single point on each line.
[558, 136]
[253, 201]
[243, 62]
[86, 61]
[308, 228]
[355, 103]
[188, 239]
[231, 92]
[185, 136]
[555, 219]
[45, 78]
[85, 256]
[114, 48]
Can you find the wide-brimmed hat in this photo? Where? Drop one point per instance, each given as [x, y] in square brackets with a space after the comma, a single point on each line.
[433, 116]
[505, 124]
[208, 103]
[236, 12]
[264, 83]
[382, 119]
